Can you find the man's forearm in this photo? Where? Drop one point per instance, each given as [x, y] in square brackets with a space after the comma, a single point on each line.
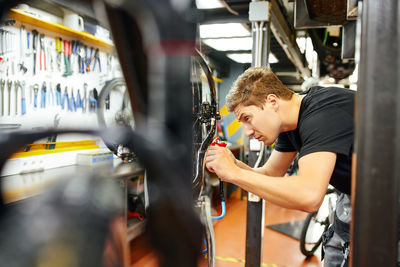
[288, 192]
[244, 166]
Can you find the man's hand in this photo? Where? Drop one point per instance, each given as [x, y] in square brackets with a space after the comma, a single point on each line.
[222, 162]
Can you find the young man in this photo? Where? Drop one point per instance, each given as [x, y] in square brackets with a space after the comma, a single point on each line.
[318, 124]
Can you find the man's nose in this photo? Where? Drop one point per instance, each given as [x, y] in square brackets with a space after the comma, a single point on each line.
[248, 131]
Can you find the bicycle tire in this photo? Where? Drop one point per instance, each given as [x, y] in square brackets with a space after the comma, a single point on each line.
[305, 250]
[105, 91]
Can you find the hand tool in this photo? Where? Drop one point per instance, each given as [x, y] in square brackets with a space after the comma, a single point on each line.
[34, 41]
[71, 58]
[89, 60]
[50, 95]
[21, 65]
[2, 86]
[23, 101]
[78, 100]
[9, 85]
[81, 61]
[43, 95]
[67, 54]
[92, 102]
[109, 63]
[42, 53]
[75, 49]
[28, 49]
[49, 46]
[58, 95]
[85, 99]
[53, 138]
[95, 59]
[35, 95]
[16, 86]
[217, 141]
[65, 99]
[72, 101]
[59, 50]
[3, 41]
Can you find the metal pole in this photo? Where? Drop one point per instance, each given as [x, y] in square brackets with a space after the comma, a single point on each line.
[375, 185]
[259, 15]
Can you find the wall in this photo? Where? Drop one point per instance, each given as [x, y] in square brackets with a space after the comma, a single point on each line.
[233, 127]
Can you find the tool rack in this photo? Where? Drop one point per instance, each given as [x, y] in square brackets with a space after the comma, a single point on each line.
[35, 67]
[27, 174]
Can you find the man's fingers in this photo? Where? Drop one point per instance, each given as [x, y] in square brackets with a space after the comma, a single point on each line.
[208, 165]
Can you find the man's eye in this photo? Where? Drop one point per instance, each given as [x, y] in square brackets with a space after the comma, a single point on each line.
[246, 118]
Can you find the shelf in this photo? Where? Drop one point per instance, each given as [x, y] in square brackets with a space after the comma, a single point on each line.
[58, 28]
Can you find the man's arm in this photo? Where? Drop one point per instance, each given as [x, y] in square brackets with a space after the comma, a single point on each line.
[277, 164]
[304, 191]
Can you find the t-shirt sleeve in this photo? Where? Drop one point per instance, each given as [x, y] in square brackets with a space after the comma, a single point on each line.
[329, 130]
[283, 143]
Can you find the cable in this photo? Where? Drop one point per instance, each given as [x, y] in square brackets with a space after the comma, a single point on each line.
[223, 207]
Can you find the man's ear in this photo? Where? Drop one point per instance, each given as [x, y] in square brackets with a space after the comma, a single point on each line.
[272, 100]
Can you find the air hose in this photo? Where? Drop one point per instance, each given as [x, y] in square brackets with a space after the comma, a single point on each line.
[223, 207]
[217, 141]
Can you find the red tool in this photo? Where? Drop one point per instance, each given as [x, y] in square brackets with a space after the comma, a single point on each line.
[135, 215]
[217, 141]
[42, 53]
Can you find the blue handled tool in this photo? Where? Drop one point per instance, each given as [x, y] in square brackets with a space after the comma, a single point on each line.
[50, 97]
[96, 58]
[65, 98]
[43, 95]
[92, 102]
[72, 101]
[79, 100]
[58, 94]
[23, 99]
[35, 93]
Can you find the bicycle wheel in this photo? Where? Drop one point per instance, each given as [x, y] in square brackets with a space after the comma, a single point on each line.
[311, 235]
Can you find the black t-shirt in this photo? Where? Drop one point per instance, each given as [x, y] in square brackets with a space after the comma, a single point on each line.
[326, 123]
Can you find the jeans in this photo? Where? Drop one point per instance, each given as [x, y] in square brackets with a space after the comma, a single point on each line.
[336, 240]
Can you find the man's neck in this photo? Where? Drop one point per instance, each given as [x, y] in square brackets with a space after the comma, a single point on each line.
[292, 112]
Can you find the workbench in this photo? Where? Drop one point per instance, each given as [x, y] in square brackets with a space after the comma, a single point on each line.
[20, 187]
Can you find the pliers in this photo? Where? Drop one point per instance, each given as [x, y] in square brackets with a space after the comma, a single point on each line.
[43, 95]
[58, 95]
[42, 53]
[67, 58]
[59, 50]
[79, 100]
[95, 59]
[92, 102]
[35, 94]
[65, 98]
[81, 60]
[23, 99]
[89, 60]
[50, 97]
[72, 101]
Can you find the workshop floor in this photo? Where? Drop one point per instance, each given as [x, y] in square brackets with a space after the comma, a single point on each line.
[279, 250]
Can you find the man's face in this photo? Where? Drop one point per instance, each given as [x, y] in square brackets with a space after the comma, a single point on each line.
[262, 124]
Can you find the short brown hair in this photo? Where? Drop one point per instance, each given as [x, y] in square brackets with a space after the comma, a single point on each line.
[253, 86]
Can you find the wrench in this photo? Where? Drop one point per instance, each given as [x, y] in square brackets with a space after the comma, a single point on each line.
[35, 95]
[9, 85]
[84, 100]
[16, 86]
[2, 85]
[23, 101]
